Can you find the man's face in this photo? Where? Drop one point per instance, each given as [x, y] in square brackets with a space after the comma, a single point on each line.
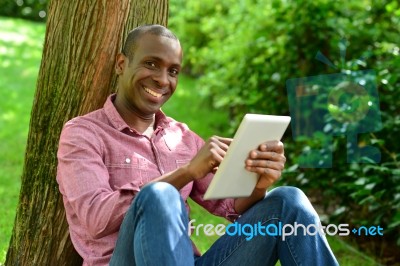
[150, 78]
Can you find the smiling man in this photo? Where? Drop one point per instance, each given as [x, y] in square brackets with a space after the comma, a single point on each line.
[126, 170]
[148, 74]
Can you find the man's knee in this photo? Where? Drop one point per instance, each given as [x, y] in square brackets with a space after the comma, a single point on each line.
[288, 193]
[159, 195]
[160, 190]
[292, 197]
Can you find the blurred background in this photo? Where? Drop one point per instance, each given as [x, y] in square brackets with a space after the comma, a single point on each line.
[238, 56]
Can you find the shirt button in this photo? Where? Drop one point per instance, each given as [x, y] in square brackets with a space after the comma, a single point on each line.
[127, 160]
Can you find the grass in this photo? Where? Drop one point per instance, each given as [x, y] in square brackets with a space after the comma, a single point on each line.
[20, 53]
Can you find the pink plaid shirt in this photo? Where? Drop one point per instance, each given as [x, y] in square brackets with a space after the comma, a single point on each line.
[102, 164]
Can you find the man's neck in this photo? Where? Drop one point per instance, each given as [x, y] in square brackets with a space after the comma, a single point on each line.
[135, 121]
[139, 124]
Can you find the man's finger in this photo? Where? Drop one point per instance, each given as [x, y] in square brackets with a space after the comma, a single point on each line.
[277, 165]
[267, 155]
[223, 143]
[267, 172]
[224, 140]
[274, 145]
[217, 151]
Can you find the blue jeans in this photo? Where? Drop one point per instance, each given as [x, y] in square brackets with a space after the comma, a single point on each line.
[155, 232]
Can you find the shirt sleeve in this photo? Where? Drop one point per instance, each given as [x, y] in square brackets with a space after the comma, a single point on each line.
[83, 180]
[221, 207]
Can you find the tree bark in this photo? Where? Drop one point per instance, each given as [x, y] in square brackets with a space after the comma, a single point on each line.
[76, 76]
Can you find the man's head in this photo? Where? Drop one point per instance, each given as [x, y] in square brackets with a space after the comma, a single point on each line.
[134, 35]
[148, 69]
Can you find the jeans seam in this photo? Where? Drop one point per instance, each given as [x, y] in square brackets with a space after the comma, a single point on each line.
[291, 253]
[230, 253]
[143, 244]
[287, 242]
[242, 241]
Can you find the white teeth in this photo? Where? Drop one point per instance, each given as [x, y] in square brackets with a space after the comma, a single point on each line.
[152, 93]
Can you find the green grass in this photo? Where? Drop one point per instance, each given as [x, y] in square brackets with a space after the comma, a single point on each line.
[20, 54]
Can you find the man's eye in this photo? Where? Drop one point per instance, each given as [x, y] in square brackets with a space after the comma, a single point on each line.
[174, 72]
[150, 64]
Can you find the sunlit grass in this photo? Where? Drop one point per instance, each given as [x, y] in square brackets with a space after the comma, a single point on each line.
[20, 53]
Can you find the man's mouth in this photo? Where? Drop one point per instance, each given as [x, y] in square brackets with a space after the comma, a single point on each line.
[152, 93]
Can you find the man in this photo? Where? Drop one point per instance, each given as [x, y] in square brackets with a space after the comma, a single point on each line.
[126, 170]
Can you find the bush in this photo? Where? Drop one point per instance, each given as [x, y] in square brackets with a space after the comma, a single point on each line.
[35, 10]
[245, 51]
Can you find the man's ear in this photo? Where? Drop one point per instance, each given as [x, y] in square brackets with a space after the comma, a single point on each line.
[120, 63]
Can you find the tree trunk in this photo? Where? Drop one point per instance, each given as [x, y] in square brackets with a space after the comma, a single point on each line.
[76, 76]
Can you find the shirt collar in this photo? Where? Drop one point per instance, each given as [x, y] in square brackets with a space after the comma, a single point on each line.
[161, 120]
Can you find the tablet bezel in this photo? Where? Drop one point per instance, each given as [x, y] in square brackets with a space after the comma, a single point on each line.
[232, 180]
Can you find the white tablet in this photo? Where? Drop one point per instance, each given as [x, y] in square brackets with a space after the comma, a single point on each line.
[232, 180]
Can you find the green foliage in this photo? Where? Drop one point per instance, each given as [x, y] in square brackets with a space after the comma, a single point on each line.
[187, 105]
[246, 50]
[35, 10]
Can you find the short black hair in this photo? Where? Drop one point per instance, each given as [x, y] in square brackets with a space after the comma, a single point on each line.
[134, 35]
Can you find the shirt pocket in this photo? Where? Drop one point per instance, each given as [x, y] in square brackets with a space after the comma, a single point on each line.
[124, 169]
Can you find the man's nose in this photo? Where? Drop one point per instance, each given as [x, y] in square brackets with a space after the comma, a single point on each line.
[161, 77]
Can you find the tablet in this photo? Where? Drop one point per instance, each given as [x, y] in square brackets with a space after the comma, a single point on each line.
[232, 180]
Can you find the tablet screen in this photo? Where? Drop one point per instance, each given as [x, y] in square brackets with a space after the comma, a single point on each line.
[232, 180]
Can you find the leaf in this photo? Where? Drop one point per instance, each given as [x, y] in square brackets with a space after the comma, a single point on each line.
[361, 181]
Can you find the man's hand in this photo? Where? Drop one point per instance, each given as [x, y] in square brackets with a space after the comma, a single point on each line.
[209, 157]
[268, 161]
